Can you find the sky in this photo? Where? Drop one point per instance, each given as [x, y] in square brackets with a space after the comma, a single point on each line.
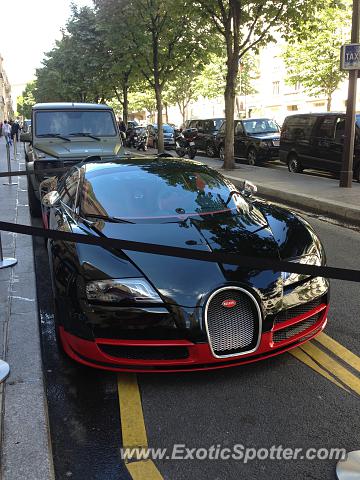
[31, 29]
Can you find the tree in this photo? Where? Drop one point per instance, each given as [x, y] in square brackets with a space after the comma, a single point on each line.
[26, 100]
[243, 26]
[166, 36]
[143, 97]
[123, 72]
[77, 68]
[313, 60]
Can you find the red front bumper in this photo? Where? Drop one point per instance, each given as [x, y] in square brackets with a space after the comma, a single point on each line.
[199, 354]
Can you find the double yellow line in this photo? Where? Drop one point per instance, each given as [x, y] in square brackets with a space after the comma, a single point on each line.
[331, 360]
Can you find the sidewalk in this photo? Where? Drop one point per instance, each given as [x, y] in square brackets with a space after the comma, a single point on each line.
[25, 442]
[307, 192]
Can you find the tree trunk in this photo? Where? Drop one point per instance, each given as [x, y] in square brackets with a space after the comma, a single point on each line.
[166, 112]
[328, 103]
[125, 103]
[160, 119]
[230, 93]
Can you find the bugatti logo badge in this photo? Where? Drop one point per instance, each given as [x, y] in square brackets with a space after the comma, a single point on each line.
[229, 303]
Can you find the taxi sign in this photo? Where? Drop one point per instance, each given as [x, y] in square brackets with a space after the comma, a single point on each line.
[350, 57]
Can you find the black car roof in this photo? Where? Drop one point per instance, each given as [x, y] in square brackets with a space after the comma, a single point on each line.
[71, 106]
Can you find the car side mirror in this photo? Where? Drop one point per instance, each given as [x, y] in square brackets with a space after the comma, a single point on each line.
[51, 199]
[248, 189]
[25, 137]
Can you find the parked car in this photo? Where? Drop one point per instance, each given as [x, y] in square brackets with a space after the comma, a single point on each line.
[206, 134]
[169, 136]
[63, 134]
[316, 140]
[255, 139]
[135, 311]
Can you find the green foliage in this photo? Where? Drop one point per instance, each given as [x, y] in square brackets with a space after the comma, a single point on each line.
[76, 69]
[312, 58]
[26, 100]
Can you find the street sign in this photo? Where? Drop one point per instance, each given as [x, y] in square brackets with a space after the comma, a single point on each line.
[350, 57]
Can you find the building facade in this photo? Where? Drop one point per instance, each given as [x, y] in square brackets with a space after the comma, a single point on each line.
[6, 109]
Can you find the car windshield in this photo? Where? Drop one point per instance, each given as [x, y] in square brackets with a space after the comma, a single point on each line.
[167, 129]
[260, 125]
[358, 120]
[94, 122]
[154, 193]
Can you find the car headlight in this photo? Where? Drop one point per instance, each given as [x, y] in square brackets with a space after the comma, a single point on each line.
[121, 289]
[289, 278]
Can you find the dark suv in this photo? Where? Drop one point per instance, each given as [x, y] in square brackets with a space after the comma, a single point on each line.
[316, 140]
[256, 139]
[63, 134]
[206, 134]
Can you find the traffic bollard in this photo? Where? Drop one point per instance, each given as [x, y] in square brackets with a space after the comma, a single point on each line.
[7, 261]
[10, 182]
[349, 469]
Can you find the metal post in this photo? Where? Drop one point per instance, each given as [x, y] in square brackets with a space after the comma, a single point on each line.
[8, 261]
[9, 165]
[346, 173]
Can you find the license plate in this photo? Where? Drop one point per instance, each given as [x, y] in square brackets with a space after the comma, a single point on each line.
[191, 144]
[276, 143]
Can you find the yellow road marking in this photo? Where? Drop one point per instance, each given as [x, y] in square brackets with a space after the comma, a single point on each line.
[132, 418]
[304, 357]
[144, 470]
[339, 350]
[332, 366]
[133, 427]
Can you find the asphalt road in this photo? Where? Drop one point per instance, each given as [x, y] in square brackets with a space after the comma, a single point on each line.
[280, 401]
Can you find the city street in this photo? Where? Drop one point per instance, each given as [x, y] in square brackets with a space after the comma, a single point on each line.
[282, 401]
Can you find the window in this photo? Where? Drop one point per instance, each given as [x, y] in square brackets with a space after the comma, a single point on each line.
[327, 127]
[152, 193]
[298, 127]
[95, 122]
[276, 88]
[292, 108]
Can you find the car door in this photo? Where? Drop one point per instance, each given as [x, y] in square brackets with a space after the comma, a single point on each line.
[324, 158]
[200, 139]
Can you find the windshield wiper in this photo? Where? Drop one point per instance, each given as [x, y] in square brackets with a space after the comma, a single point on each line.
[54, 135]
[84, 134]
[106, 218]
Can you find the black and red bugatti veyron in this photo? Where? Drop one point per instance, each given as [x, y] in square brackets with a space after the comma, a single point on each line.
[127, 310]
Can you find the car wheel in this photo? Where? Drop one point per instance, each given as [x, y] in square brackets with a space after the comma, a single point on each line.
[192, 153]
[210, 150]
[294, 166]
[222, 153]
[251, 157]
[34, 204]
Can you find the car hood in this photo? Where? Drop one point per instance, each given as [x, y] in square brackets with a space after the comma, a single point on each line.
[183, 281]
[265, 136]
[84, 148]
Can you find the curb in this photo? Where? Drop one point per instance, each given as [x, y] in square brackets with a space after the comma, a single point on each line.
[335, 210]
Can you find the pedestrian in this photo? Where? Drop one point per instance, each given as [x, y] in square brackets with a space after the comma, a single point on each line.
[122, 126]
[15, 127]
[6, 129]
